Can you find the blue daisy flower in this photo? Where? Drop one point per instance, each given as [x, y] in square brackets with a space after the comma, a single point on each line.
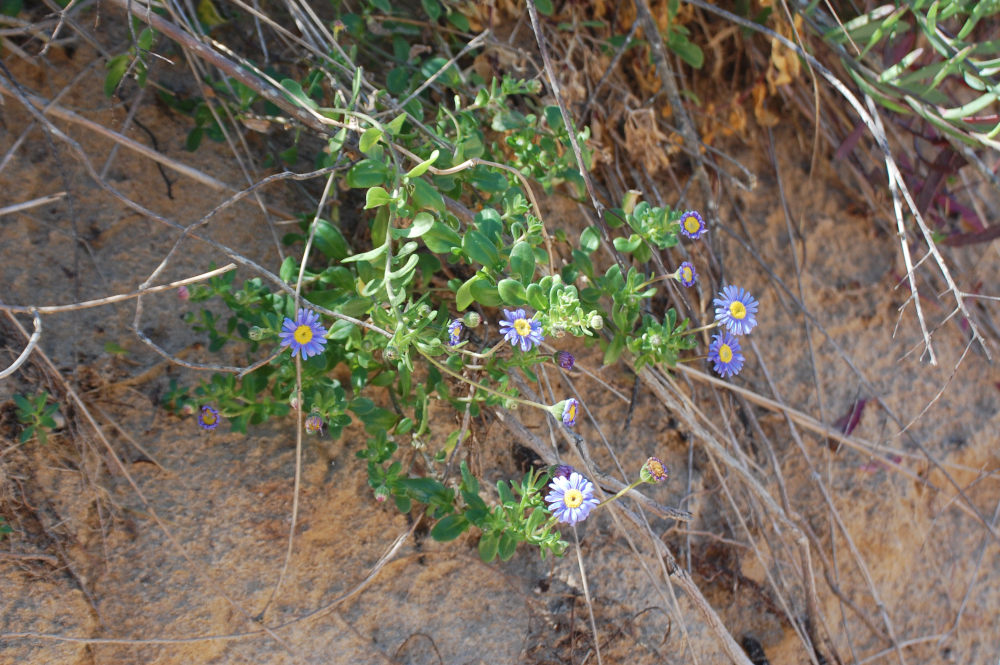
[208, 418]
[305, 334]
[736, 309]
[517, 328]
[571, 499]
[686, 274]
[569, 413]
[692, 225]
[454, 332]
[725, 353]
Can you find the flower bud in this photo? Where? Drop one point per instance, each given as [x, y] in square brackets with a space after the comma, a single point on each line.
[381, 493]
[390, 353]
[314, 423]
[472, 319]
[562, 471]
[631, 199]
[293, 402]
[564, 359]
[257, 333]
[183, 293]
[596, 321]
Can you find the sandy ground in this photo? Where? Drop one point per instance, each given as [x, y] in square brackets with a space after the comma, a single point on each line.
[170, 554]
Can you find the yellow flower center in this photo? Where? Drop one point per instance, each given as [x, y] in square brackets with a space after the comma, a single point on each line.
[523, 327]
[573, 498]
[656, 469]
[737, 310]
[303, 334]
[691, 224]
[686, 274]
[725, 353]
[207, 417]
[570, 414]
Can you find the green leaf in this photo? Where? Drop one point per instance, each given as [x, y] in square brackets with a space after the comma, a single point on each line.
[145, 40]
[408, 267]
[395, 126]
[512, 292]
[289, 270]
[294, 92]
[590, 239]
[369, 139]
[508, 544]
[506, 497]
[432, 8]
[194, 139]
[441, 238]
[536, 297]
[367, 173]
[329, 240]
[376, 197]
[425, 196]
[545, 8]
[463, 298]
[208, 14]
[488, 545]
[477, 247]
[459, 21]
[397, 80]
[553, 117]
[422, 167]
[488, 181]
[488, 222]
[366, 256]
[469, 480]
[117, 66]
[24, 405]
[485, 293]
[614, 350]
[688, 51]
[522, 261]
[627, 245]
[449, 528]
[421, 224]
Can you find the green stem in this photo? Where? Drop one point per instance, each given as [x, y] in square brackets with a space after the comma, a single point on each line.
[655, 279]
[388, 268]
[714, 324]
[692, 359]
[619, 495]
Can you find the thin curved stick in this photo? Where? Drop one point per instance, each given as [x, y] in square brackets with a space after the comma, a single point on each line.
[86, 304]
[29, 347]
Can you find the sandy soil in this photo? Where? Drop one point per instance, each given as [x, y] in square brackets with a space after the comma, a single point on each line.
[170, 556]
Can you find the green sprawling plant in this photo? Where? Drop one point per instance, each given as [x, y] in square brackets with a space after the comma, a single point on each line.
[398, 316]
